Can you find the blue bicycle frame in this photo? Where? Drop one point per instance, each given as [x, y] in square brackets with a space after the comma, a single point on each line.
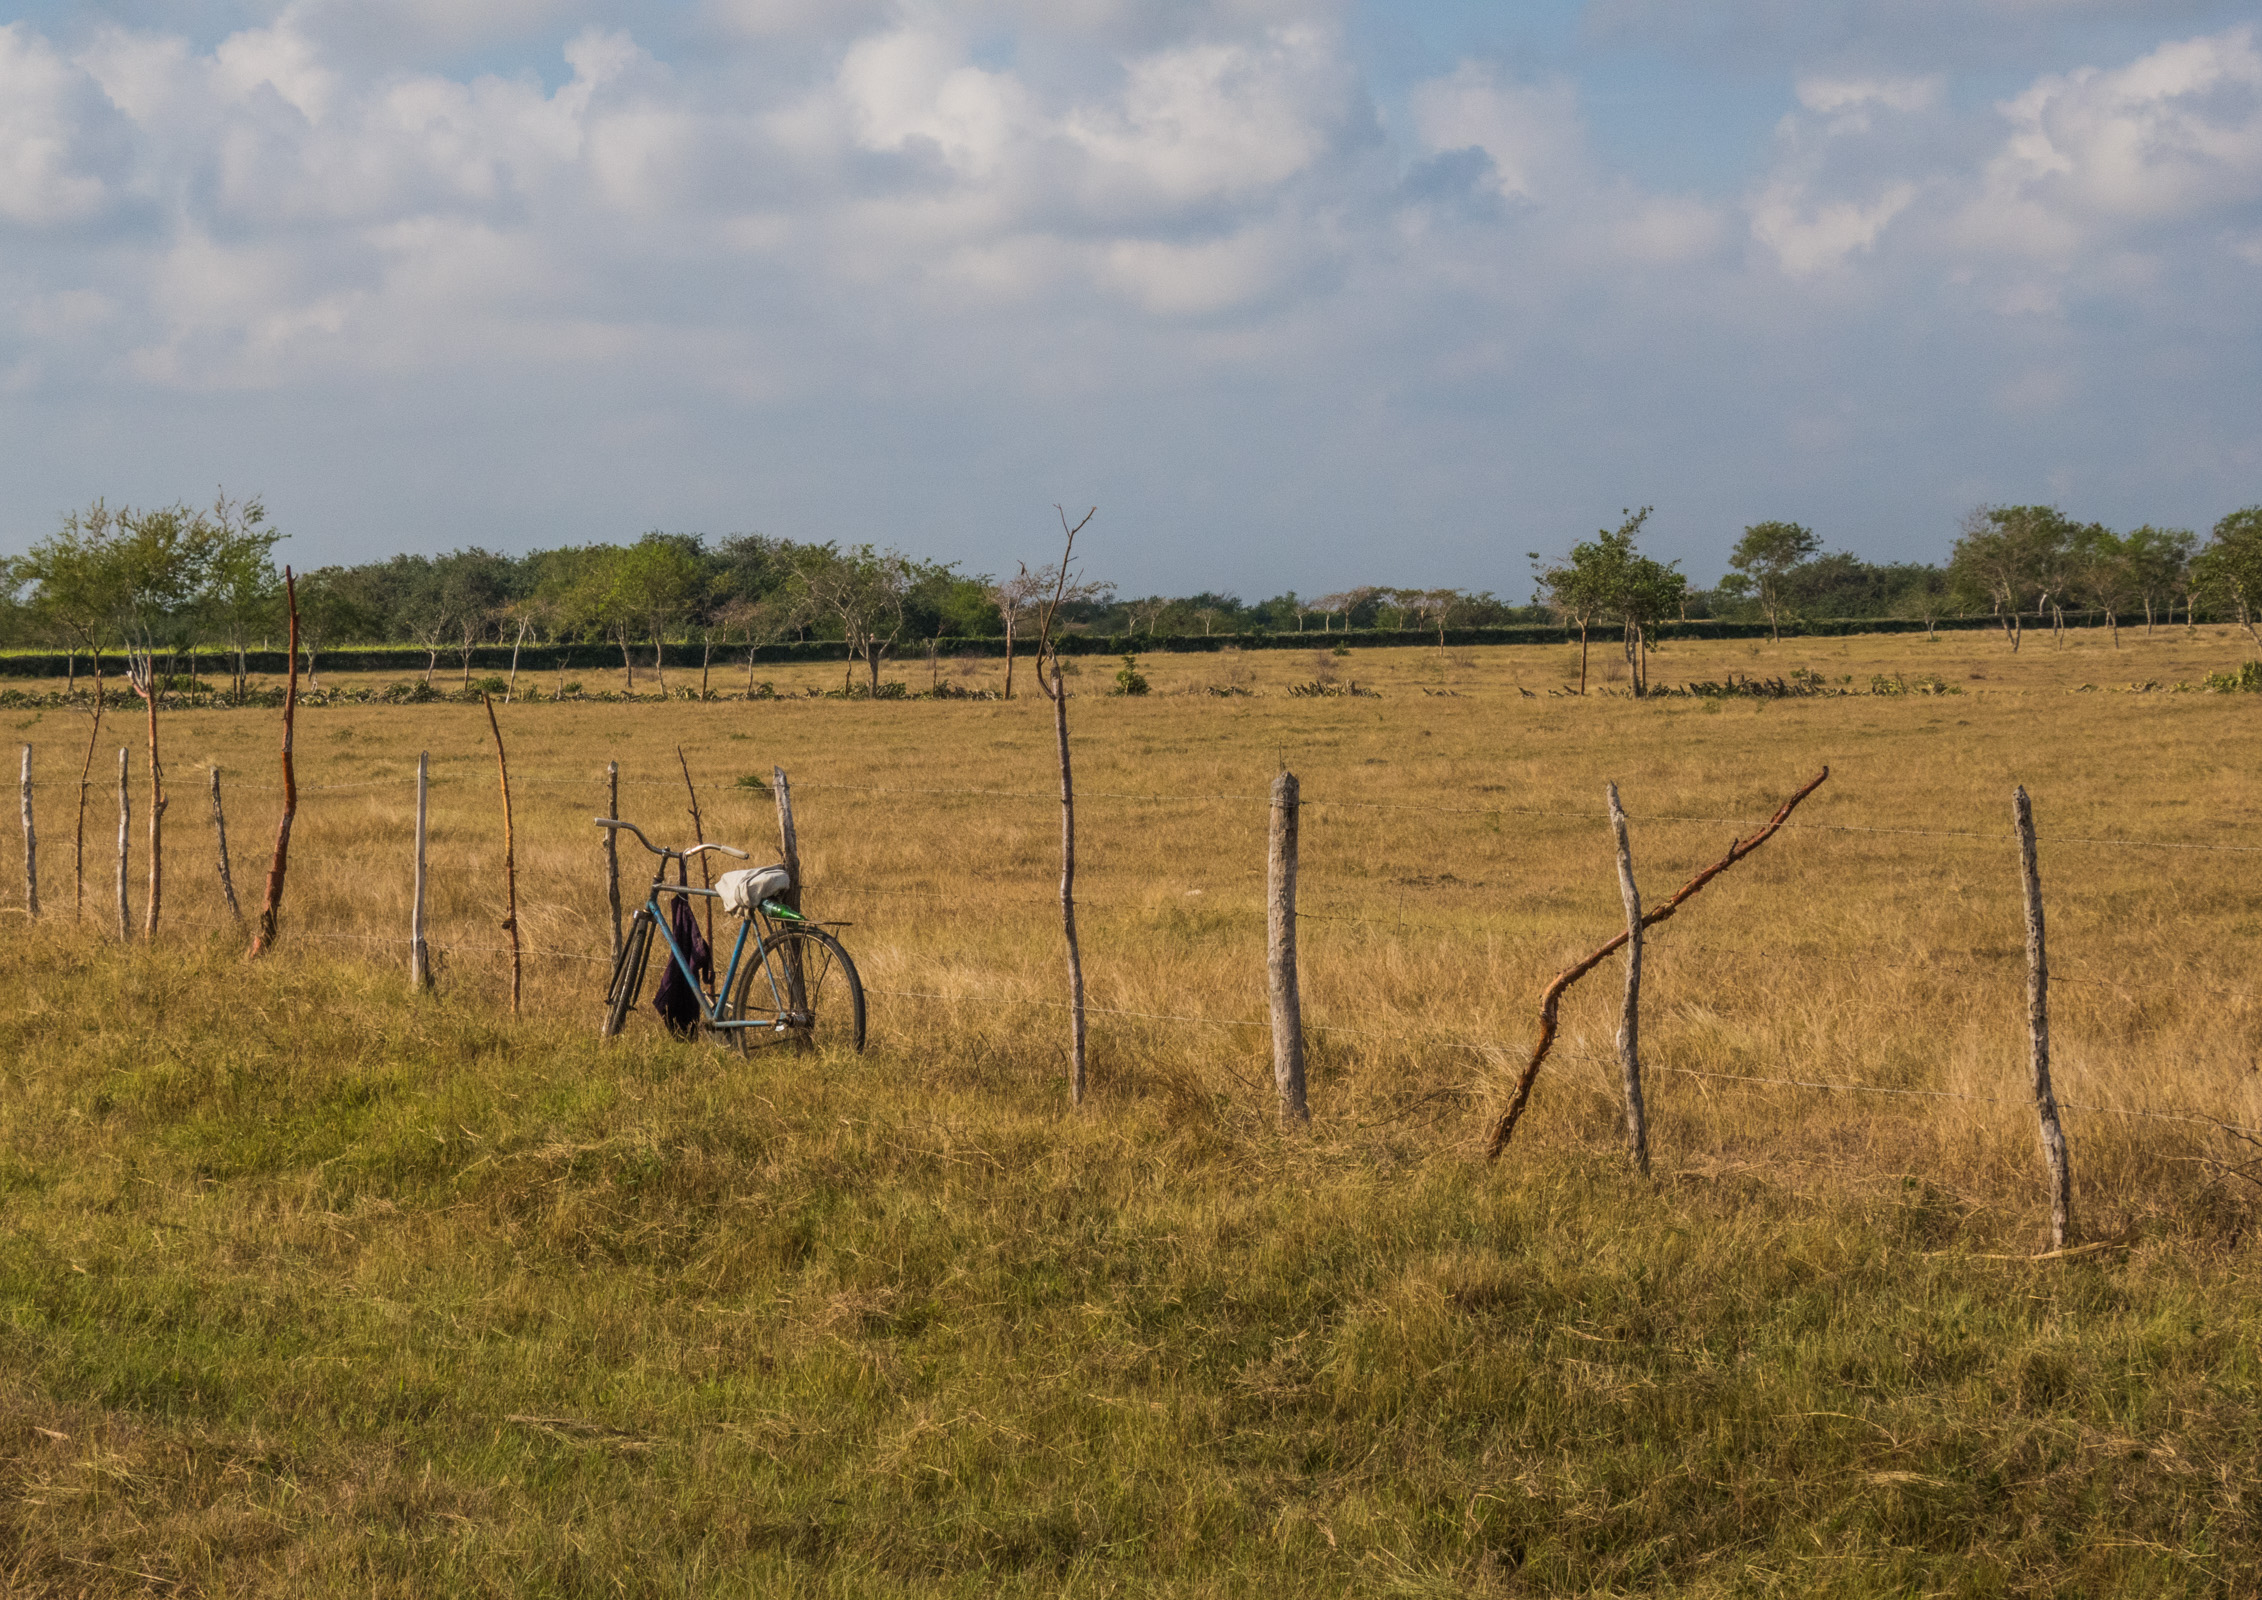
[711, 1010]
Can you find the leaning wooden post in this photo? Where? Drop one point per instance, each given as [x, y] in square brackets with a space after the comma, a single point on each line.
[143, 677]
[278, 865]
[419, 951]
[1630, 1024]
[1280, 953]
[2038, 1029]
[510, 849]
[125, 820]
[220, 834]
[612, 847]
[31, 846]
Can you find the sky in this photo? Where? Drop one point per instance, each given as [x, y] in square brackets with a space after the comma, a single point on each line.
[1300, 293]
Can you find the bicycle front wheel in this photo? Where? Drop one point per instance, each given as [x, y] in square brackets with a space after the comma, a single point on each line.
[628, 975]
[828, 1012]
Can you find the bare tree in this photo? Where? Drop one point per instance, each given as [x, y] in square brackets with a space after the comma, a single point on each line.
[1028, 597]
[1048, 655]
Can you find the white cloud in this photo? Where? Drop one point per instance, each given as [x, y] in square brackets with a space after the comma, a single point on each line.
[2095, 153]
[44, 115]
[1808, 237]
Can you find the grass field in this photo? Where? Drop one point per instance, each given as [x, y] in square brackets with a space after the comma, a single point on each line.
[311, 1285]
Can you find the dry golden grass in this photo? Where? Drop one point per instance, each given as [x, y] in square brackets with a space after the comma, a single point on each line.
[331, 1288]
[1455, 856]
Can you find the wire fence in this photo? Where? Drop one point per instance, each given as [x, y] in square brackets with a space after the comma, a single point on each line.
[1486, 1051]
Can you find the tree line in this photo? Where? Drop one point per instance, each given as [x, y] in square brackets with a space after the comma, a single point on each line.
[180, 579]
[2011, 562]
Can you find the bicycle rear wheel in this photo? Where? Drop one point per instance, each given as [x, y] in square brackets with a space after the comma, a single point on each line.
[830, 1010]
[628, 975]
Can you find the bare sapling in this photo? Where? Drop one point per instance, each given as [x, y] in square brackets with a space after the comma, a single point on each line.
[510, 850]
[142, 674]
[220, 838]
[1280, 953]
[2038, 1029]
[86, 774]
[278, 865]
[1630, 1021]
[612, 852]
[31, 847]
[1552, 998]
[419, 948]
[698, 837]
[125, 821]
[1048, 652]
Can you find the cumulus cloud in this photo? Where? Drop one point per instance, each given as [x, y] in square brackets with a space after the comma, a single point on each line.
[839, 207]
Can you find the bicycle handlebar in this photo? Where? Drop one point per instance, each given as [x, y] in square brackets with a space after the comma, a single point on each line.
[678, 855]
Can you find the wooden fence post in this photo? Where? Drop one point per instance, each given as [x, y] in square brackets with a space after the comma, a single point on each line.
[1630, 1022]
[86, 776]
[1280, 953]
[220, 832]
[30, 842]
[698, 836]
[419, 951]
[279, 864]
[510, 850]
[2038, 1028]
[125, 819]
[789, 846]
[789, 841]
[612, 847]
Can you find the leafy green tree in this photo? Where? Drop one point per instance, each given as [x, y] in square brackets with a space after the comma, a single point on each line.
[2160, 559]
[1609, 578]
[242, 589]
[1767, 554]
[2105, 573]
[2008, 554]
[2229, 571]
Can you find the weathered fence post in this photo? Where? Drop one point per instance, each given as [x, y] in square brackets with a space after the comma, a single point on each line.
[125, 820]
[86, 776]
[419, 951]
[2038, 1028]
[510, 849]
[1280, 952]
[1076, 1033]
[789, 847]
[789, 841]
[698, 836]
[279, 864]
[1630, 1023]
[31, 845]
[612, 847]
[220, 832]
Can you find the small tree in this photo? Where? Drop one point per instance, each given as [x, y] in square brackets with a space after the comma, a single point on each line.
[863, 592]
[2105, 572]
[242, 590]
[2159, 559]
[1766, 555]
[2008, 553]
[1021, 601]
[2229, 571]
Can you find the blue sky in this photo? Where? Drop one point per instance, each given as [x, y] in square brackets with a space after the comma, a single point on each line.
[1302, 293]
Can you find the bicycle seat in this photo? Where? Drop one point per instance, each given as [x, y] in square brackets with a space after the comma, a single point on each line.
[748, 887]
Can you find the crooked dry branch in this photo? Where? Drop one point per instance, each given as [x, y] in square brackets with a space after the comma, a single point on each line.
[271, 905]
[1552, 999]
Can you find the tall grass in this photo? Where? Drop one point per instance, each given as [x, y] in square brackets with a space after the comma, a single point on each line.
[313, 1284]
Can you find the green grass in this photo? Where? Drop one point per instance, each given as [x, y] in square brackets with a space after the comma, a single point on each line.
[332, 1290]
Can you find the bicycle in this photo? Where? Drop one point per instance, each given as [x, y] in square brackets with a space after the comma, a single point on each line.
[800, 987]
